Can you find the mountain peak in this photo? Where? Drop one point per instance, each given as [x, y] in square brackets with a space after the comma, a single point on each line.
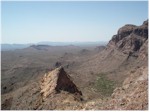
[130, 38]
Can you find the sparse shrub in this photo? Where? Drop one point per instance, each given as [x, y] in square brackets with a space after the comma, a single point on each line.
[104, 85]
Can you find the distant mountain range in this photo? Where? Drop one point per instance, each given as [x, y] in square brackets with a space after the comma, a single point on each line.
[6, 47]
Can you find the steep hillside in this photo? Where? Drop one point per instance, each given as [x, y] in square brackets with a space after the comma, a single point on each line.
[127, 49]
[132, 95]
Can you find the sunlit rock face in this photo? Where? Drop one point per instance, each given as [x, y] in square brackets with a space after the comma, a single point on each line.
[56, 81]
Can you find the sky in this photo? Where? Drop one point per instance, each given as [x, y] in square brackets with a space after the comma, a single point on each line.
[36, 21]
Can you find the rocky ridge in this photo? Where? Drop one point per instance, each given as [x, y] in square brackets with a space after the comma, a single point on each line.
[56, 81]
[130, 38]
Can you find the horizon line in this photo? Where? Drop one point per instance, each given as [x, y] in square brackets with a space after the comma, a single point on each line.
[58, 42]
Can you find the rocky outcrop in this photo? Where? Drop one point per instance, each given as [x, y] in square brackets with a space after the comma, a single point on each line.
[59, 92]
[57, 81]
[130, 38]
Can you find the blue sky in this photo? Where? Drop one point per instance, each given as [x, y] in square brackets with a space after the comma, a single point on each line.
[31, 22]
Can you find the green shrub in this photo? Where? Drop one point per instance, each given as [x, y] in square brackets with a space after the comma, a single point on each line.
[104, 85]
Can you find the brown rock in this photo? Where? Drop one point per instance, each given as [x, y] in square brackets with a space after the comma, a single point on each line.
[56, 81]
[130, 39]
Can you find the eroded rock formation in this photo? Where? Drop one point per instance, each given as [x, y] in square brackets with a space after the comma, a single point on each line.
[56, 81]
[130, 38]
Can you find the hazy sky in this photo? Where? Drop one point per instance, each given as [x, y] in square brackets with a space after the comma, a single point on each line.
[31, 22]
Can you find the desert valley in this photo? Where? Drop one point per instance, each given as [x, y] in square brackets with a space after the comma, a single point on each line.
[70, 77]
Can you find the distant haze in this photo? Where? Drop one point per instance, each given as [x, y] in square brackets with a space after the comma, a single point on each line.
[7, 47]
[33, 22]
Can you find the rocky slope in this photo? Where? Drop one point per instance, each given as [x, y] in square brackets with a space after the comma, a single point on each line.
[132, 95]
[130, 47]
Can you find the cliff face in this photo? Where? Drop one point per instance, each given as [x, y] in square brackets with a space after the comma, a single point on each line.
[130, 39]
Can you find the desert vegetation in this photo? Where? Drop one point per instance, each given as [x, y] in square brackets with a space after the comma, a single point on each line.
[104, 85]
